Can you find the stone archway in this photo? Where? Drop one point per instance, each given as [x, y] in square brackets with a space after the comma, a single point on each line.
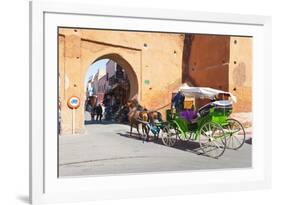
[122, 91]
[76, 55]
[128, 58]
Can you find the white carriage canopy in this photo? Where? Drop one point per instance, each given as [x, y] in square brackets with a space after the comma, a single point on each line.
[204, 92]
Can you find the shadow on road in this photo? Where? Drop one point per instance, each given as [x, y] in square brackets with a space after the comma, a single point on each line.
[133, 136]
[102, 122]
[187, 146]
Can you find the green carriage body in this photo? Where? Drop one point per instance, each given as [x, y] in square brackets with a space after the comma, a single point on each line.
[187, 129]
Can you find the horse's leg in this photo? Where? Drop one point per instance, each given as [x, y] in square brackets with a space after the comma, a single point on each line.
[145, 131]
[137, 125]
[131, 128]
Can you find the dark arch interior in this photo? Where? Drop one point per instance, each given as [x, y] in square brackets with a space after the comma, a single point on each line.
[111, 88]
[128, 70]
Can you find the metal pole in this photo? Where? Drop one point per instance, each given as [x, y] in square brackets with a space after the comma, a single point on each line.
[73, 121]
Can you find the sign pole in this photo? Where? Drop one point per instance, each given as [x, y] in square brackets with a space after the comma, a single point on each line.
[73, 103]
[73, 121]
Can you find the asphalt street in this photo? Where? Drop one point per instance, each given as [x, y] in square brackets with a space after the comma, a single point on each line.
[107, 148]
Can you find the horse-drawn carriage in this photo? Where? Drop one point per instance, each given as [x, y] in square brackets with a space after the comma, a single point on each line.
[209, 125]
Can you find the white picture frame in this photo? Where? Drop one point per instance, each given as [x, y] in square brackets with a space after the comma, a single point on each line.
[46, 187]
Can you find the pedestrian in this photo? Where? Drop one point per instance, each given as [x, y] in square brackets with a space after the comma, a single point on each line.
[99, 112]
[93, 112]
[103, 109]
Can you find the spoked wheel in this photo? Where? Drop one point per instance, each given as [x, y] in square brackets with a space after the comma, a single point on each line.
[235, 134]
[169, 136]
[212, 140]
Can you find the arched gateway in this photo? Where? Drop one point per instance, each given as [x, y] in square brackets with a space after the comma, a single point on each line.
[77, 66]
[152, 63]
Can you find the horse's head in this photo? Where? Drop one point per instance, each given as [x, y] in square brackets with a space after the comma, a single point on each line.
[132, 103]
[144, 116]
[155, 115]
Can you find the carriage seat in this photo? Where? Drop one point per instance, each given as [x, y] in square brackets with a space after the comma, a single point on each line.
[204, 110]
[219, 104]
[189, 115]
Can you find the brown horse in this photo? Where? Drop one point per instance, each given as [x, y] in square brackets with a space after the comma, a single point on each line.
[137, 116]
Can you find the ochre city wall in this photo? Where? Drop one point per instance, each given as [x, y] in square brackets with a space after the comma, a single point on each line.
[216, 61]
[156, 64]
[208, 61]
[240, 72]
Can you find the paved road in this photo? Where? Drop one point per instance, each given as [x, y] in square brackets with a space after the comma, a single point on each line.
[108, 149]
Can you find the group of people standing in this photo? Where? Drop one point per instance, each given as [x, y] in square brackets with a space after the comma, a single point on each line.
[98, 112]
[94, 108]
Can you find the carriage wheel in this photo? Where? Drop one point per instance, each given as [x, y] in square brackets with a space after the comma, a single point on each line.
[169, 136]
[236, 134]
[212, 139]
